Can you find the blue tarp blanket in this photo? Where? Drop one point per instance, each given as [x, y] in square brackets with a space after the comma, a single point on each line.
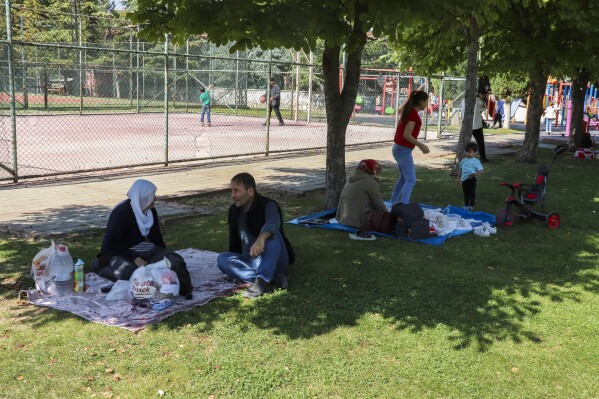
[322, 220]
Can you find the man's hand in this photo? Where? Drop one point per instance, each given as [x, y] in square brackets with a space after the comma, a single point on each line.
[140, 262]
[257, 249]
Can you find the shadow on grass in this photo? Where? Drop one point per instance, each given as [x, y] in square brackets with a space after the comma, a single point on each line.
[482, 291]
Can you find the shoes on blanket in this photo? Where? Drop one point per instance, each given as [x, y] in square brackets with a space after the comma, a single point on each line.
[485, 230]
[362, 236]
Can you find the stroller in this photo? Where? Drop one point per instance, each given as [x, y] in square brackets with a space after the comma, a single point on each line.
[523, 198]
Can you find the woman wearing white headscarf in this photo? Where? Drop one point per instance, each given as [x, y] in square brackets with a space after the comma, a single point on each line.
[133, 239]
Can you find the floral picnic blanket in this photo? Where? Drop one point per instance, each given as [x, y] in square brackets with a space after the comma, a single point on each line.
[208, 282]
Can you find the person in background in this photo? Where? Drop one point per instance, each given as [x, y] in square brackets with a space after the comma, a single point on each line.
[360, 197]
[499, 113]
[550, 113]
[477, 124]
[470, 167]
[133, 239]
[275, 102]
[205, 100]
[259, 252]
[406, 139]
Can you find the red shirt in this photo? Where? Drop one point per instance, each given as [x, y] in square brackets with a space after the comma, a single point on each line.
[412, 117]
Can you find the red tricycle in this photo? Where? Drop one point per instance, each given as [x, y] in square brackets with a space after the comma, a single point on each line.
[523, 197]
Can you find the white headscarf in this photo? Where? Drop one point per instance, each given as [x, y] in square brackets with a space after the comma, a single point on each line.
[141, 194]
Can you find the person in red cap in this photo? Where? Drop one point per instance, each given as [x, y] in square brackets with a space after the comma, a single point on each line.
[361, 196]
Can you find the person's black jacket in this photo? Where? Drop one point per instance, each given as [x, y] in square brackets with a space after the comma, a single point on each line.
[123, 233]
[254, 220]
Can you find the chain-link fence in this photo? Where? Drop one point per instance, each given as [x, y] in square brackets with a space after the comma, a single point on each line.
[80, 105]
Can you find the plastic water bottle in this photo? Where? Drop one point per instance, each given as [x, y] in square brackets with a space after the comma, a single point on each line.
[78, 275]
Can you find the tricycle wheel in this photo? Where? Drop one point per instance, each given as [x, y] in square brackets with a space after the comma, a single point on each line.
[552, 220]
[504, 218]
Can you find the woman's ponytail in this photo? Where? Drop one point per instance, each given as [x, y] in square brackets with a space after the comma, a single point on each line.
[416, 97]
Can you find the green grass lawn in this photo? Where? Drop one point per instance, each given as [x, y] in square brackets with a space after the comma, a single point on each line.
[511, 316]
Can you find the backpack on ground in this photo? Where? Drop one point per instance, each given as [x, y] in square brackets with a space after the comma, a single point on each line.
[410, 221]
[382, 222]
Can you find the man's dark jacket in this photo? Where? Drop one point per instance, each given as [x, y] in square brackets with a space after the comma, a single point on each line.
[255, 217]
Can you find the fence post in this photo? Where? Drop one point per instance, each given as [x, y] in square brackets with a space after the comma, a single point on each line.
[187, 75]
[426, 111]
[268, 104]
[397, 93]
[130, 68]
[166, 99]
[24, 67]
[45, 72]
[80, 67]
[175, 77]
[236, 79]
[11, 89]
[310, 77]
[137, 73]
[297, 85]
[440, 109]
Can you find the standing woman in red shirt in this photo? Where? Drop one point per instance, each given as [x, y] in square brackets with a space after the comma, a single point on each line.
[406, 138]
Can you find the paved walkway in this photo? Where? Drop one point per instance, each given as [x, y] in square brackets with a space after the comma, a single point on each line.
[62, 206]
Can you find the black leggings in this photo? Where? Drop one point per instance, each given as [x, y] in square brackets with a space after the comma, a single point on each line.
[469, 188]
[480, 140]
[118, 268]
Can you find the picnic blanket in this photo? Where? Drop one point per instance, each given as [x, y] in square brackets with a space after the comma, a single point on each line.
[325, 220]
[208, 282]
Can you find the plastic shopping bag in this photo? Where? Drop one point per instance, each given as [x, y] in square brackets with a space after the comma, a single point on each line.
[154, 286]
[52, 270]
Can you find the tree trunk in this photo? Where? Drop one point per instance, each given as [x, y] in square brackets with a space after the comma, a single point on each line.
[579, 88]
[469, 95]
[340, 105]
[534, 112]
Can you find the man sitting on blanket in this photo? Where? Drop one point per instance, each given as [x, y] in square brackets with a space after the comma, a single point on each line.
[361, 196]
[259, 251]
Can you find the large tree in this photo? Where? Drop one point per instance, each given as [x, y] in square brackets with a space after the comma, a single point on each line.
[297, 24]
[441, 37]
[539, 38]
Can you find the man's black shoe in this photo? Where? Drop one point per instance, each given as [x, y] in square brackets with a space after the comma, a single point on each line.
[258, 288]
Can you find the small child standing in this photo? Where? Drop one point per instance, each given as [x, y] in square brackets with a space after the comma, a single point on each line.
[205, 100]
[470, 167]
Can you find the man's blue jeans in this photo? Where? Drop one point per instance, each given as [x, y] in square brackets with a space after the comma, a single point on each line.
[407, 174]
[205, 110]
[274, 260]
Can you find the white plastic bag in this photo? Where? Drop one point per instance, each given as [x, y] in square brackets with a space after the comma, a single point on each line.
[154, 286]
[118, 291]
[52, 270]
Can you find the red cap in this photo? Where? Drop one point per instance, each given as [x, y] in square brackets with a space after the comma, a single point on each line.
[370, 166]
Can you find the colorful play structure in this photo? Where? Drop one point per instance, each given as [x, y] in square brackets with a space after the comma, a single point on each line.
[561, 93]
[381, 90]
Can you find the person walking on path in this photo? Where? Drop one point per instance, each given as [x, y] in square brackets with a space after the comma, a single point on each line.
[205, 100]
[275, 102]
[406, 138]
[499, 113]
[259, 252]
